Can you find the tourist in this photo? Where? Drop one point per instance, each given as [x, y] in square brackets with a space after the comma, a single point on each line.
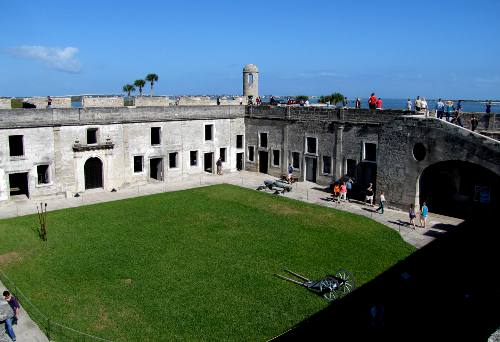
[473, 123]
[418, 104]
[357, 104]
[218, 101]
[412, 215]
[423, 105]
[14, 304]
[381, 203]
[369, 194]
[290, 173]
[258, 101]
[378, 104]
[219, 166]
[345, 103]
[449, 110]
[408, 105]
[372, 101]
[306, 104]
[336, 192]
[49, 102]
[488, 107]
[343, 192]
[424, 213]
[459, 106]
[439, 109]
[348, 185]
[457, 119]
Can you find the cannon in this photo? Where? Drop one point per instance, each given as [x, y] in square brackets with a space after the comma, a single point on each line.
[331, 287]
[278, 186]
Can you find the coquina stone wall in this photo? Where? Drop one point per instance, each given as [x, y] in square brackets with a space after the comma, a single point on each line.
[148, 101]
[102, 101]
[5, 103]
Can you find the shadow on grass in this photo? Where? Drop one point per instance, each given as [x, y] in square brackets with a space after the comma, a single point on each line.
[444, 291]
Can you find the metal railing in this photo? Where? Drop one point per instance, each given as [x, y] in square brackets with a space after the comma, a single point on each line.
[53, 330]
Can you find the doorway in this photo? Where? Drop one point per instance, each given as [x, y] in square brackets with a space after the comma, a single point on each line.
[239, 161]
[208, 162]
[263, 161]
[93, 173]
[156, 168]
[19, 184]
[311, 167]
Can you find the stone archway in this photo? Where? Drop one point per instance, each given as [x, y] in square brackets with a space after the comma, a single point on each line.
[93, 173]
[457, 188]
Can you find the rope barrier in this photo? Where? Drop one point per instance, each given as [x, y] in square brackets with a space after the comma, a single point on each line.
[50, 323]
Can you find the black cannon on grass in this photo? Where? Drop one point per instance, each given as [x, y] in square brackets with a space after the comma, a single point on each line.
[331, 287]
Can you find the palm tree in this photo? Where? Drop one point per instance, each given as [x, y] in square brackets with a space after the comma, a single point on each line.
[128, 88]
[152, 78]
[140, 84]
[336, 98]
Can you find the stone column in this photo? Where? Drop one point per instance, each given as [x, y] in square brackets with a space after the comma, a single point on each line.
[339, 131]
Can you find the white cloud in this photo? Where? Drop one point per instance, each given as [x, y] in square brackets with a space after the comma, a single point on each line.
[62, 59]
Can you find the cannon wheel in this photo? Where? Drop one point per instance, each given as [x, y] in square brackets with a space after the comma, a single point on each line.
[348, 281]
[332, 295]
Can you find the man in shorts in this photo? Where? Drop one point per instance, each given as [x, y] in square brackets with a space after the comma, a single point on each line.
[424, 213]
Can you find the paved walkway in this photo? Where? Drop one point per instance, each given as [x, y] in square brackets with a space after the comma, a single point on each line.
[303, 191]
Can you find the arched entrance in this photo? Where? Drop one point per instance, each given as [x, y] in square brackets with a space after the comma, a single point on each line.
[93, 173]
[458, 188]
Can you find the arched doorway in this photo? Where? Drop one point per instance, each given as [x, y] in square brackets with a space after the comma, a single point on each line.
[458, 188]
[93, 173]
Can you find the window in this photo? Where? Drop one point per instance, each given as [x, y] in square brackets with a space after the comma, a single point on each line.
[155, 135]
[222, 154]
[250, 79]
[250, 153]
[16, 147]
[172, 160]
[43, 174]
[263, 139]
[296, 160]
[239, 141]
[138, 163]
[193, 158]
[327, 165]
[91, 136]
[276, 157]
[351, 168]
[370, 152]
[311, 145]
[209, 132]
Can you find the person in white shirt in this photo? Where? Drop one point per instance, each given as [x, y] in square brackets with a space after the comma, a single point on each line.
[382, 203]
[408, 105]
[418, 104]
[423, 105]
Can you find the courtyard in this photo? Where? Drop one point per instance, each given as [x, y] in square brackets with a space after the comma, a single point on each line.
[190, 264]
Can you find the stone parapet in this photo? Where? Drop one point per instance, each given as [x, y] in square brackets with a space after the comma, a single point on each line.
[17, 118]
[102, 101]
[5, 103]
[155, 101]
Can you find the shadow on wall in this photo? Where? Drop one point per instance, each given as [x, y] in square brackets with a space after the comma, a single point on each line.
[444, 291]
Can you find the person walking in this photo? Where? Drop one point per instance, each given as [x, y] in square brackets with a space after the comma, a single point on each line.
[381, 203]
[14, 304]
[345, 103]
[336, 192]
[412, 215]
[424, 213]
[49, 102]
[219, 166]
[449, 110]
[372, 101]
[408, 105]
[343, 192]
[348, 185]
[369, 194]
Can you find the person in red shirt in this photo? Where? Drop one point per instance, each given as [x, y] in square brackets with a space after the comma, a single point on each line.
[372, 101]
[379, 103]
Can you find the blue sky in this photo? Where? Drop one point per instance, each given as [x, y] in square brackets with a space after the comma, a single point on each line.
[394, 48]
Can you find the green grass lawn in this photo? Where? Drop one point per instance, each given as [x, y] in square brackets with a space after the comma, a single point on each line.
[191, 265]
